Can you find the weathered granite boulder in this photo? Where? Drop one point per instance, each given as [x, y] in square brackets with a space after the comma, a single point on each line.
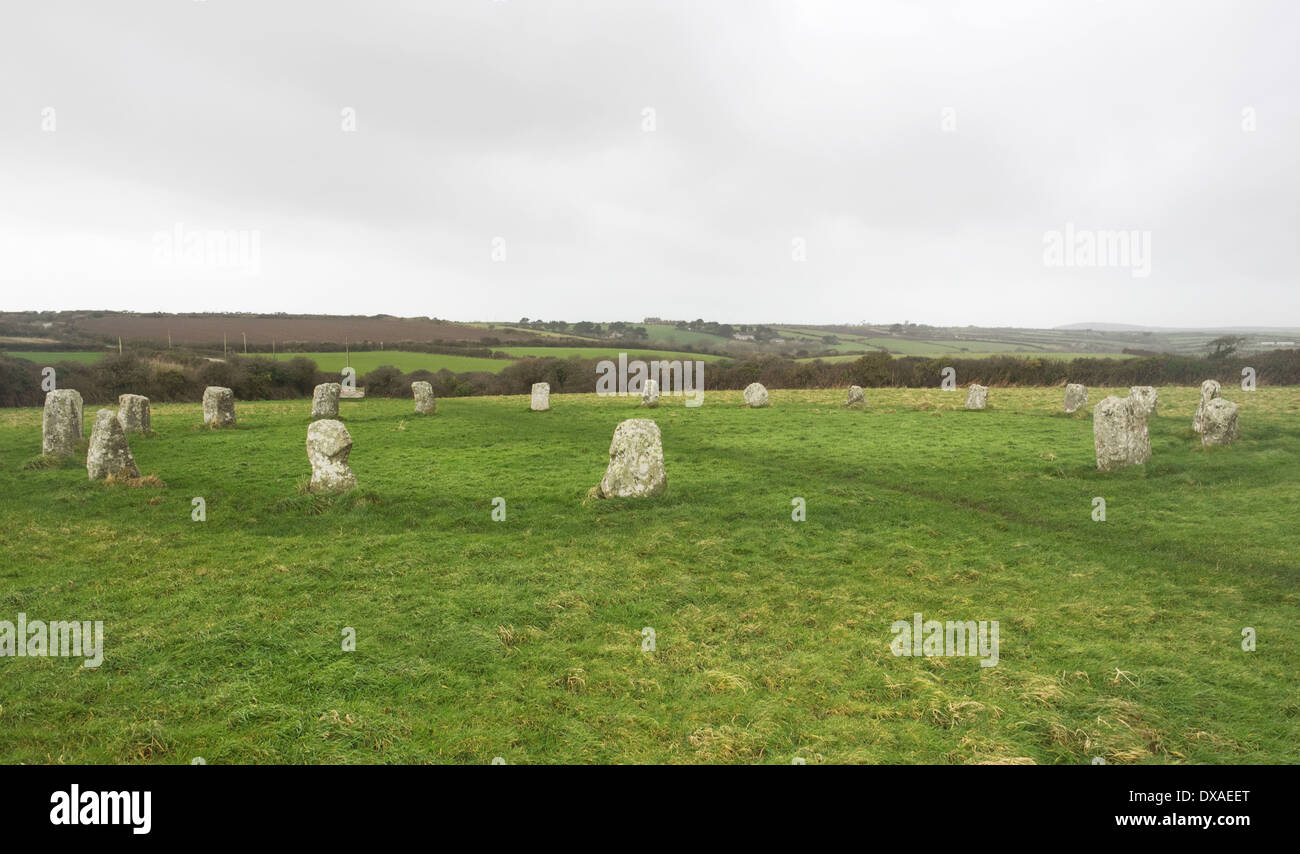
[325, 400]
[755, 395]
[857, 397]
[1219, 422]
[133, 412]
[424, 402]
[109, 452]
[1119, 433]
[218, 406]
[61, 425]
[1075, 396]
[1209, 391]
[328, 447]
[541, 399]
[1146, 398]
[650, 394]
[636, 462]
[977, 397]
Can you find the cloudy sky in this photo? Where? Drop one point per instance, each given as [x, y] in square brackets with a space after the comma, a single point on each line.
[940, 162]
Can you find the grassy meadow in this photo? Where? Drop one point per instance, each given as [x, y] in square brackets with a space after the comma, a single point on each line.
[522, 638]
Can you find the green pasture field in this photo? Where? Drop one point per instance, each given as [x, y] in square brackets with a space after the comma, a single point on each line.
[53, 357]
[602, 353]
[855, 356]
[525, 638]
[404, 360]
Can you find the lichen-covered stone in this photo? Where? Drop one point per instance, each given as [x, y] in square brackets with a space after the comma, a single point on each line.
[325, 400]
[328, 446]
[977, 396]
[1146, 399]
[109, 452]
[1219, 422]
[1119, 433]
[133, 412]
[636, 462]
[857, 397]
[424, 402]
[650, 394]
[218, 406]
[61, 425]
[1076, 396]
[541, 398]
[756, 395]
[1209, 391]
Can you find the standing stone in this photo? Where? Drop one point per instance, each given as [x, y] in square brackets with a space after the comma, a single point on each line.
[133, 412]
[1219, 422]
[1075, 396]
[218, 406]
[61, 422]
[755, 395]
[977, 397]
[1209, 391]
[109, 453]
[1119, 433]
[1148, 400]
[541, 400]
[424, 402]
[636, 462]
[328, 447]
[857, 397]
[325, 400]
[650, 394]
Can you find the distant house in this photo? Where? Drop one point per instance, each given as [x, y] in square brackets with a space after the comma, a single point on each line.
[742, 336]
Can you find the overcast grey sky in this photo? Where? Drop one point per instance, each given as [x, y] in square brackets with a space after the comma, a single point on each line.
[804, 161]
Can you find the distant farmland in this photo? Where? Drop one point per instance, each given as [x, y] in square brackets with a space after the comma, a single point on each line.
[601, 353]
[52, 357]
[406, 361]
[208, 329]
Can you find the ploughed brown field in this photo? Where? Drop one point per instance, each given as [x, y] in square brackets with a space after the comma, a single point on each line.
[208, 329]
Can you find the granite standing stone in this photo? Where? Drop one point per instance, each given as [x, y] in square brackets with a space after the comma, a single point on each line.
[1209, 391]
[857, 397]
[650, 394]
[328, 447]
[636, 462]
[977, 397]
[756, 395]
[61, 425]
[218, 406]
[1119, 433]
[1076, 396]
[424, 402]
[541, 399]
[133, 412]
[325, 400]
[109, 452]
[1219, 422]
[1146, 398]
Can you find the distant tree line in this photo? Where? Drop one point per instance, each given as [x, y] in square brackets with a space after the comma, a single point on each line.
[169, 377]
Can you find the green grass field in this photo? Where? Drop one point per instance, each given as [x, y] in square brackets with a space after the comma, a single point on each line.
[938, 355]
[523, 638]
[405, 360]
[54, 357]
[601, 353]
